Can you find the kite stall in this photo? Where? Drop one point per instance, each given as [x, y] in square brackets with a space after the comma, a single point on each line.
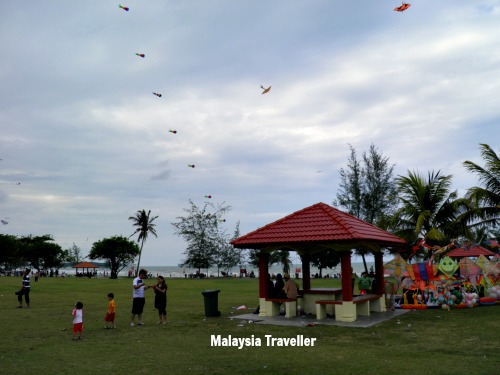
[459, 278]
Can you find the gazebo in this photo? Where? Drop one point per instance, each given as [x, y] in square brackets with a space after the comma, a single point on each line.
[86, 266]
[317, 228]
[473, 251]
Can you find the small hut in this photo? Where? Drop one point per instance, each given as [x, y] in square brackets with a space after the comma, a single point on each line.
[86, 266]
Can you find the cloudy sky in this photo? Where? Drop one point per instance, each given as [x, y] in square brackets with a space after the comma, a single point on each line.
[85, 144]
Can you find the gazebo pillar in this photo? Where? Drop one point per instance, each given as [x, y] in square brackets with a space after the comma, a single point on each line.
[379, 272]
[263, 275]
[306, 271]
[346, 268]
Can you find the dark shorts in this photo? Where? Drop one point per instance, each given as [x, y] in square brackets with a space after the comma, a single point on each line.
[138, 305]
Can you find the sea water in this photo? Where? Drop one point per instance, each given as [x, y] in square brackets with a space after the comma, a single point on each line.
[176, 271]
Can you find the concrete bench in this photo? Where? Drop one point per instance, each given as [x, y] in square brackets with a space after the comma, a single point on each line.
[362, 305]
[273, 306]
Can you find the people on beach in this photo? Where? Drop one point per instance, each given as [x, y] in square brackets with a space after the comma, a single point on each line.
[25, 289]
[139, 299]
[110, 314]
[291, 288]
[160, 290]
[78, 321]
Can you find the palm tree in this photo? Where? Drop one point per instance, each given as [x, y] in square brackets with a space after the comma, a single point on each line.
[144, 224]
[428, 208]
[486, 199]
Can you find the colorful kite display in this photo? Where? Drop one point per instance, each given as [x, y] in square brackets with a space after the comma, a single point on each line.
[126, 9]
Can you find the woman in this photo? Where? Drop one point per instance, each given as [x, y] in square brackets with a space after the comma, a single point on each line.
[161, 299]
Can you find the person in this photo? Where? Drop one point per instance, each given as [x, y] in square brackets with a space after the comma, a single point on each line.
[139, 299]
[364, 283]
[78, 321]
[110, 314]
[390, 291]
[160, 290]
[25, 290]
[278, 287]
[291, 288]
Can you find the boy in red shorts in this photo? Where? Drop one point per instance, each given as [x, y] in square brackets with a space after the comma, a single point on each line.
[110, 315]
[78, 321]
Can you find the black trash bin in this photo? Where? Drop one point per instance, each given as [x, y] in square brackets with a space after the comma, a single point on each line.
[211, 303]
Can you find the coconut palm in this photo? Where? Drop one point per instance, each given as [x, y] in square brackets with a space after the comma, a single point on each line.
[428, 208]
[144, 224]
[486, 199]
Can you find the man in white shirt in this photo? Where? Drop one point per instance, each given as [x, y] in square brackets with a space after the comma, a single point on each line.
[139, 299]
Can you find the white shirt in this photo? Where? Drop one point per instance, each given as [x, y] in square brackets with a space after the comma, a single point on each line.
[139, 292]
[78, 316]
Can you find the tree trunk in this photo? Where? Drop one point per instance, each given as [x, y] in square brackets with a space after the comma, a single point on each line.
[139, 260]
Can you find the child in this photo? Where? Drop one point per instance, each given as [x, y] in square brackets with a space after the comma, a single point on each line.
[364, 283]
[78, 321]
[110, 315]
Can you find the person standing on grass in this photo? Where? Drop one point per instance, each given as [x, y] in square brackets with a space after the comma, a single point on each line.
[78, 321]
[25, 290]
[139, 299]
[110, 315]
[390, 291]
[161, 299]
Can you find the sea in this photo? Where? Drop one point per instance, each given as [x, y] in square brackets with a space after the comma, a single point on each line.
[176, 271]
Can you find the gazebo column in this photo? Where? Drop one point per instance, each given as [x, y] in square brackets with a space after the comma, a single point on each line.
[306, 271]
[263, 275]
[347, 311]
[379, 272]
[379, 305]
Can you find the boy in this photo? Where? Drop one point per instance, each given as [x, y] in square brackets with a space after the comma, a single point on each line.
[364, 283]
[110, 315]
[78, 321]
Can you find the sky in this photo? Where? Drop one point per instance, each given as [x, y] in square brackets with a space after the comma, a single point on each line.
[84, 143]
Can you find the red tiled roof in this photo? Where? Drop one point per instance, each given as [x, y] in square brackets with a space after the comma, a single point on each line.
[318, 223]
[473, 251]
[85, 265]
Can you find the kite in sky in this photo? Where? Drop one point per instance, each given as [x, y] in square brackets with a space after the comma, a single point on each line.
[4, 222]
[403, 7]
[158, 95]
[173, 131]
[208, 196]
[222, 220]
[124, 8]
[191, 165]
[141, 55]
[265, 90]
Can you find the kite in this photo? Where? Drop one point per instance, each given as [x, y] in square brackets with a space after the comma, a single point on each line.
[4, 222]
[141, 55]
[265, 90]
[173, 131]
[158, 95]
[222, 220]
[191, 165]
[124, 8]
[208, 196]
[403, 7]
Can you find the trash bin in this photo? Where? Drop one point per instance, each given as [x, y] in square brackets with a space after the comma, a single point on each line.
[211, 303]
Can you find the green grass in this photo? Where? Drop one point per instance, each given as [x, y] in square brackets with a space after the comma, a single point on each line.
[38, 340]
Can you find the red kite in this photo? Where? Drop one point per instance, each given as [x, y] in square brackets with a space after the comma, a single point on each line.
[403, 7]
[265, 90]
[124, 8]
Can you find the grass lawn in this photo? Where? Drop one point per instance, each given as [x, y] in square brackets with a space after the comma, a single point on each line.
[38, 340]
